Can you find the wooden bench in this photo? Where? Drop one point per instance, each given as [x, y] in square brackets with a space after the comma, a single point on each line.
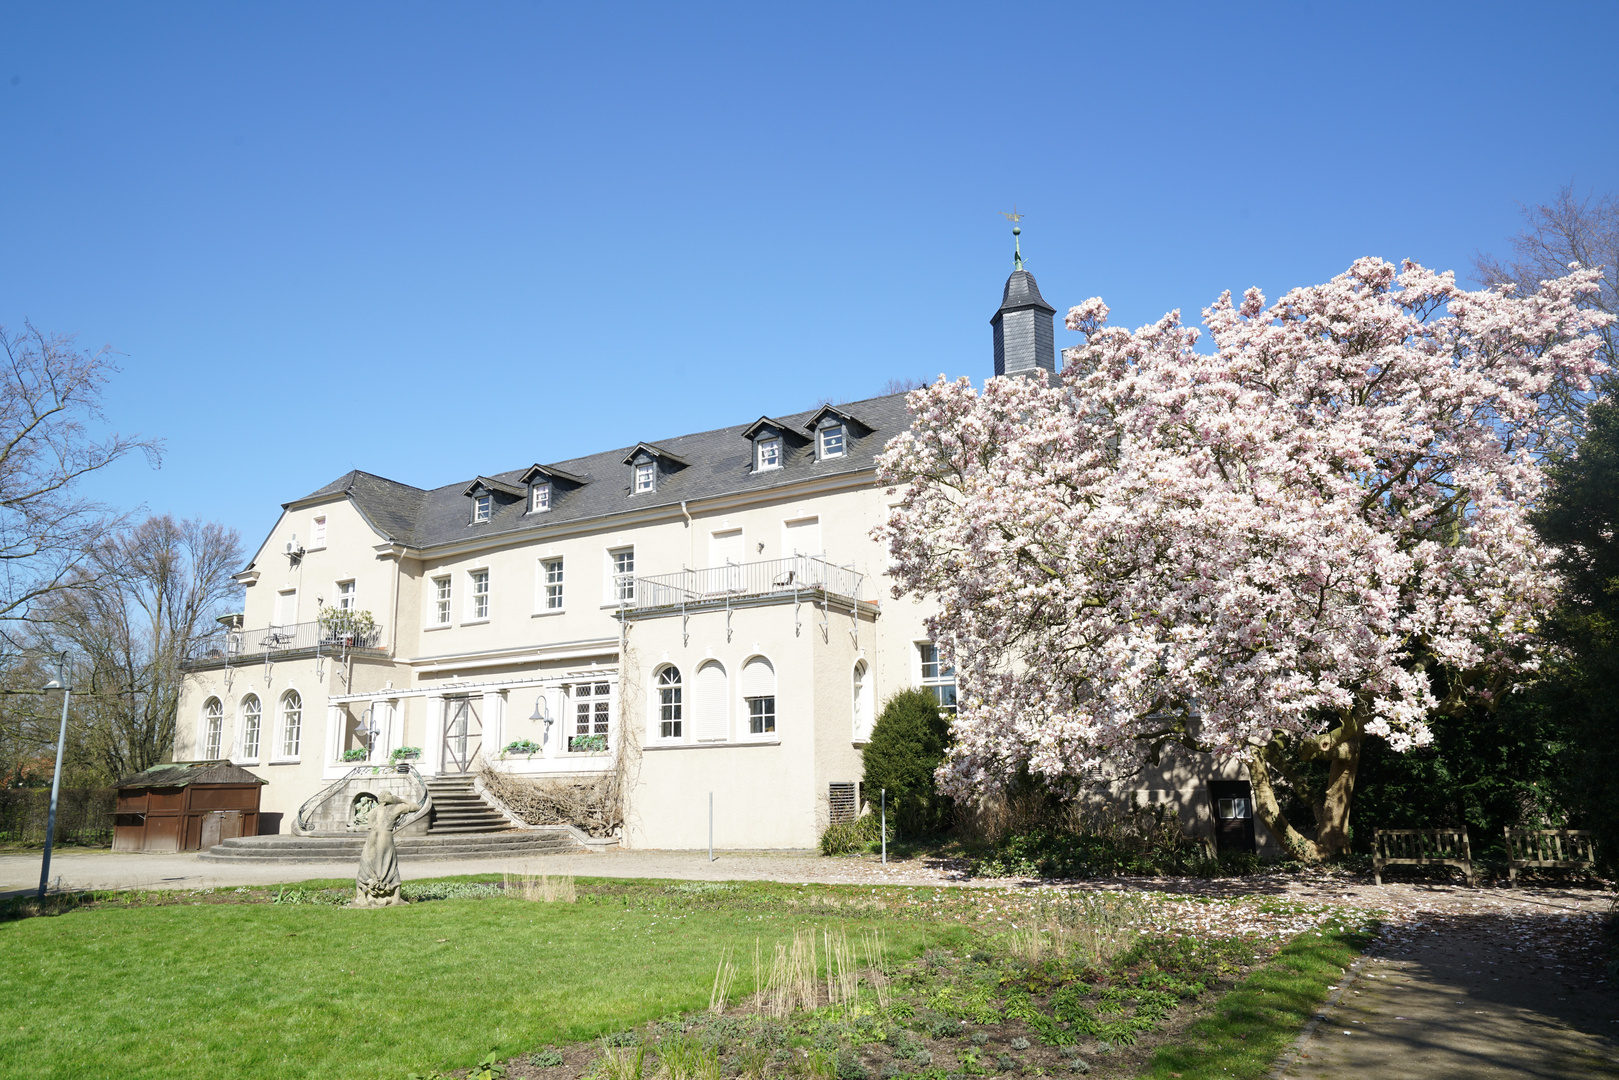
[1549, 849]
[1421, 847]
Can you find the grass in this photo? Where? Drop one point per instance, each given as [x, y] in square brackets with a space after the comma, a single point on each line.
[915, 983]
[164, 987]
[1256, 1022]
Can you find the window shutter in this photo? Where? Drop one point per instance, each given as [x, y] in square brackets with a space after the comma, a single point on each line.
[758, 678]
[708, 704]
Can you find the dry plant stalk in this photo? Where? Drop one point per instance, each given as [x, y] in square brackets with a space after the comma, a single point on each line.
[541, 887]
[627, 1063]
[724, 977]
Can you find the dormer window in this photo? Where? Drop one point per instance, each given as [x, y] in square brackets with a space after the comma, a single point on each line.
[645, 476]
[482, 507]
[769, 453]
[540, 499]
[830, 441]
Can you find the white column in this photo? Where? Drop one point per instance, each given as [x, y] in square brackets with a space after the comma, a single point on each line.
[382, 718]
[433, 737]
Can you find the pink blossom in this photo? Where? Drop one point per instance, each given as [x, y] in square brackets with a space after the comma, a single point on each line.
[1214, 547]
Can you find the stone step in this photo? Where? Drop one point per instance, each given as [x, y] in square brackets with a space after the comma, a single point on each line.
[297, 849]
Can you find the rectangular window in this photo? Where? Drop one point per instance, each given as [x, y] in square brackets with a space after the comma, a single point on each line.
[761, 715]
[480, 594]
[345, 596]
[645, 474]
[832, 441]
[286, 607]
[441, 601]
[552, 569]
[592, 710]
[541, 500]
[317, 532]
[623, 574]
[481, 508]
[769, 454]
[938, 678]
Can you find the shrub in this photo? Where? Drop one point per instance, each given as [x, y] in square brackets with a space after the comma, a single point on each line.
[848, 837]
[1102, 842]
[907, 744]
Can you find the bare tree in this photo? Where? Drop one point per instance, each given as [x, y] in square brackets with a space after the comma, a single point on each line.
[901, 386]
[159, 587]
[1566, 230]
[50, 399]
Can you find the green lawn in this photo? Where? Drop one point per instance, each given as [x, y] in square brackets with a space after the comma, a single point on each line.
[196, 986]
[272, 990]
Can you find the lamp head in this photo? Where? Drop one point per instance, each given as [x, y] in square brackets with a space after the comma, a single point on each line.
[58, 681]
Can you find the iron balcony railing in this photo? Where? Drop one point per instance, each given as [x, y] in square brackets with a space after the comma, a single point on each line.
[248, 646]
[736, 581]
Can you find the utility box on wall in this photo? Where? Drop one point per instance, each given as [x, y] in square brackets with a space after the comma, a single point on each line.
[186, 806]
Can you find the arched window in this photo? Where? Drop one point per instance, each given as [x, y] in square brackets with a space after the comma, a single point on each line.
[669, 706]
[292, 723]
[213, 728]
[759, 696]
[709, 721]
[863, 717]
[251, 716]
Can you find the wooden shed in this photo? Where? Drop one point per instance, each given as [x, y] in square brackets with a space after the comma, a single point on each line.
[185, 806]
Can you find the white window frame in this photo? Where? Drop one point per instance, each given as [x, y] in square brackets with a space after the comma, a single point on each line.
[552, 577]
[213, 729]
[668, 705]
[723, 731]
[825, 435]
[317, 532]
[347, 594]
[289, 721]
[767, 453]
[539, 501]
[646, 477]
[442, 596]
[943, 676]
[478, 595]
[589, 705]
[862, 699]
[281, 601]
[748, 713]
[483, 508]
[621, 576]
[255, 728]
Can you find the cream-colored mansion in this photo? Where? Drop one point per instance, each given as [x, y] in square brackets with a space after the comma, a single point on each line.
[707, 614]
[709, 606]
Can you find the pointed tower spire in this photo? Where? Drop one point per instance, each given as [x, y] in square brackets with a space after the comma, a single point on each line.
[1025, 339]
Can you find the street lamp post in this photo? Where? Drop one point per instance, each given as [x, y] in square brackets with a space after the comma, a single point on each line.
[60, 682]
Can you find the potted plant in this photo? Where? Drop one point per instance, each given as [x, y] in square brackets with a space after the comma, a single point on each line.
[357, 754]
[521, 746]
[345, 626]
[405, 753]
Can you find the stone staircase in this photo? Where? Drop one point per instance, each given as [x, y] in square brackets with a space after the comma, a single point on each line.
[514, 844]
[457, 809]
[461, 826]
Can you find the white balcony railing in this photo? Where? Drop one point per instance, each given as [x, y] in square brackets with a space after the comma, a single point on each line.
[797, 575]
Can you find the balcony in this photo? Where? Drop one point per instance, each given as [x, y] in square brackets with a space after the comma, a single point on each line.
[801, 577]
[228, 648]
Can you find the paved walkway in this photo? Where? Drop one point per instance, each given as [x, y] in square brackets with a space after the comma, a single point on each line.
[1479, 996]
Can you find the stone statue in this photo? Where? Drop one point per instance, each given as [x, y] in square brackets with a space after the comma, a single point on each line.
[377, 883]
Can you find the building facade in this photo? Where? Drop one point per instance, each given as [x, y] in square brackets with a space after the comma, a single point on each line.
[704, 617]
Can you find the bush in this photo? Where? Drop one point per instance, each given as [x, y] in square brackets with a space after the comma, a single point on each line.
[1104, 843]
[907, 744]
[848, 837]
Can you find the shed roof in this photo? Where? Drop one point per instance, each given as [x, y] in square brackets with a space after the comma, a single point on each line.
[187, 773]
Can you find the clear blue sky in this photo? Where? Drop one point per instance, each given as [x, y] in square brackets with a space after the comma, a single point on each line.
[431, 241]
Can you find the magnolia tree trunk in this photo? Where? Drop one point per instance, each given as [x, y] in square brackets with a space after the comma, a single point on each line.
[1340, 750]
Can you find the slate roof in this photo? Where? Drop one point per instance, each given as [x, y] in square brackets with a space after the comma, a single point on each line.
[1022, 292]
[720, 463]
[186, 773]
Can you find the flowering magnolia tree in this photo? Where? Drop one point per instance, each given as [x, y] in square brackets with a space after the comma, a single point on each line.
[1313, 534]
